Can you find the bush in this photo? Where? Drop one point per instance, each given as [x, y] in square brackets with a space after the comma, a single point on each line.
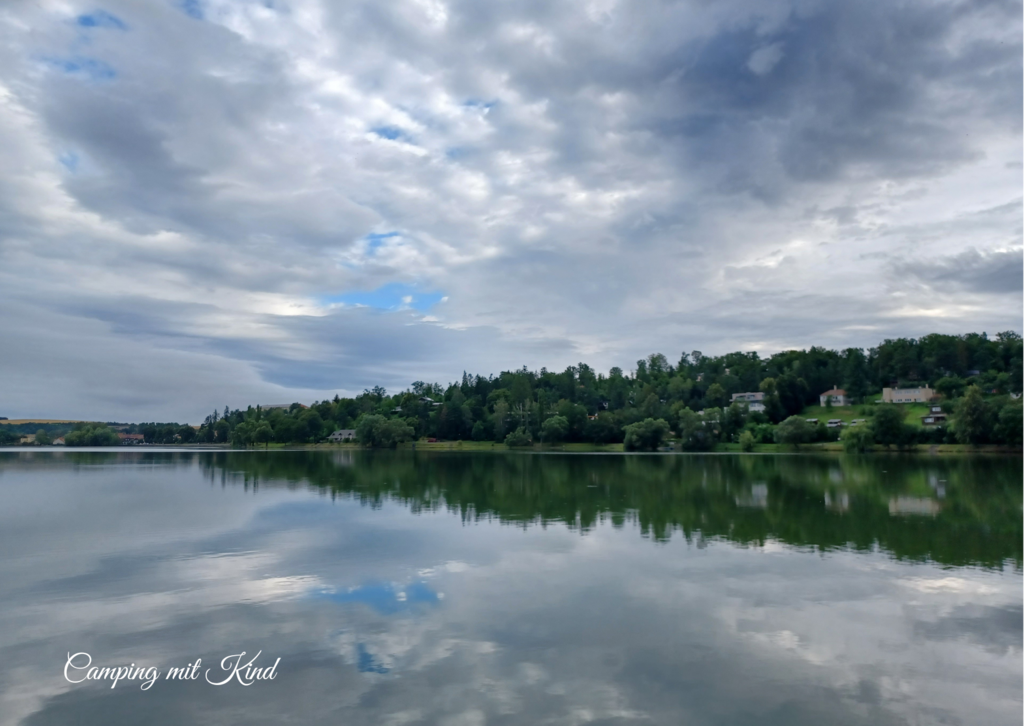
[519, 437]
[794, 431]
[887, 425]
[857, 439]
[971, 422]
[92, 435]
[554, 429]
[376, 431]
[603, 430]
[746, 441]
[646, 435]
[1009, 428]
[694, 433]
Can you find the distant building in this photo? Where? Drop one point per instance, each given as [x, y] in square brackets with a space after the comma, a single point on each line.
[59, 441]
[837, 395]
[914, 505]
[934, 419]
[834, 423]
[131, 439]
[754, 400]
[285, 406]
[922, 394]
[342, 435]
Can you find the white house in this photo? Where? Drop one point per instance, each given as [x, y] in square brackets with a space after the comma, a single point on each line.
[342, 435]
[922, 394]
[754, 400]
[838, 396]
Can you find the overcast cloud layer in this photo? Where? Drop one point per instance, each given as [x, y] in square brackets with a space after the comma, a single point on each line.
[206, 202]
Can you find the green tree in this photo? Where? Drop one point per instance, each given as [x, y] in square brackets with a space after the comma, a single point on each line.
[380, 432]
[694, 434]
[772, 405]
[43, 438]
[950, 387]
[857, 439]
[971, 422]
[646, 435]
[221, 431]
[746, 441]
[794, 431]
[554, 430]
[1008, 430]
[263, 434]
[520, 437]
[887, 425]
[715, 396]
[92, 435]
[501, 410]
[604, 429]
[241, 435]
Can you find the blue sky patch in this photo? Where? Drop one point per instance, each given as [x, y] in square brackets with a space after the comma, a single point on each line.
[390, 132]
[389, 297]
[88, 67]
[385, 597]
[192, 8]
[365, 661]
[374, 241]
[482, 105]
[101, 19]
[69, 160]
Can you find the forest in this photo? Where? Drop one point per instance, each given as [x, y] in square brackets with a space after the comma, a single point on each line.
[690, 398]
[978, 379]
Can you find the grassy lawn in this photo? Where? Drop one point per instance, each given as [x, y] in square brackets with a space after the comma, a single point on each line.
[847, 413]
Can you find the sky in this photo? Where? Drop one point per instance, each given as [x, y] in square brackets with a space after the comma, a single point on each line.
[212, 202]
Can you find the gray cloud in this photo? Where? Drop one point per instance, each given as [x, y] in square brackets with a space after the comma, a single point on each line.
[589, 180]
[985, 272]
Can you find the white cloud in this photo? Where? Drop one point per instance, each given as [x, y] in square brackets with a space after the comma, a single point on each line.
[573, 179]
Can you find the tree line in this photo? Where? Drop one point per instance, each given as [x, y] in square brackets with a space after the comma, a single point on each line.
[692, 398]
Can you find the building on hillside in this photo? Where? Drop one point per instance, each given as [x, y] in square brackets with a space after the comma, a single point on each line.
[837, 395]
[131, 439]
[921, 394]
[753, 399]
[934, 418]
[342, 435]
[834, 423]
[285, 406]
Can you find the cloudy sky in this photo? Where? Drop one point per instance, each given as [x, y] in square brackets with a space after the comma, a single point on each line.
[210, 202]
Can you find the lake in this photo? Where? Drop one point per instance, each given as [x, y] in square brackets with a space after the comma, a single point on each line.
[465, 589]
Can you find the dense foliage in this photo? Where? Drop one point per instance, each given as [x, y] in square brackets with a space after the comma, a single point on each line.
[974, 373]
[91, 435]
[692, 397]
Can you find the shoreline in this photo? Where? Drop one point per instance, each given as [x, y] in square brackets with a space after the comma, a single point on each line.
[571, 448]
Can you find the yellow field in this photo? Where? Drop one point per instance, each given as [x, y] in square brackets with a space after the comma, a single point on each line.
[40, 420]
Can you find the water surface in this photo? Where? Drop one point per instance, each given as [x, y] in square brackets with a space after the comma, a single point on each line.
[450, 588]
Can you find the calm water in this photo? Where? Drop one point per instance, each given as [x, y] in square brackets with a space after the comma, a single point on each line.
[513, 589]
